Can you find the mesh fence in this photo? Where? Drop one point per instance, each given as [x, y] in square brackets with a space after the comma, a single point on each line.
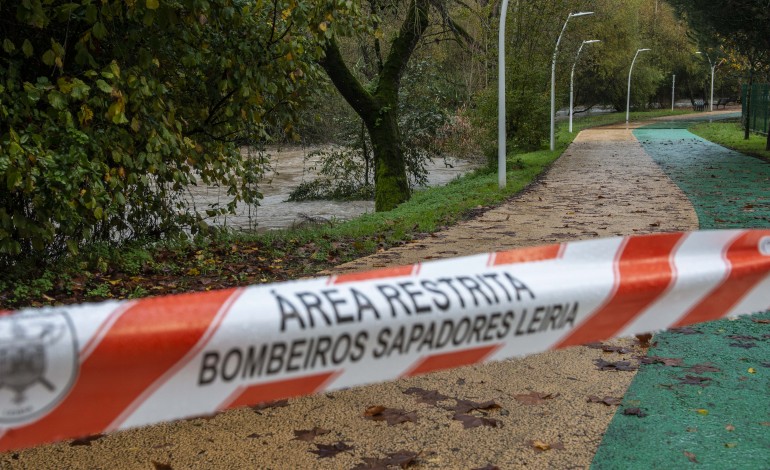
[759, 112]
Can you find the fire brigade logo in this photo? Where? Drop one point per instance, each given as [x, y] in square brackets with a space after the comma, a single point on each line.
[764, 246]
[38, 364]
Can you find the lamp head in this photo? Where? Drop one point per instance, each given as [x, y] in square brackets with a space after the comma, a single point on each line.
[645, 49]
[591, 41]
[581, 13]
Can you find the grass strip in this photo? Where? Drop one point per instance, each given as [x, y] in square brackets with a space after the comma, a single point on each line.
[730, 134]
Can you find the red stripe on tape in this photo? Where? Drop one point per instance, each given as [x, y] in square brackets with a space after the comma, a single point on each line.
[384, 273]
[278, 390]
[148, 339]
[523, 255]
[451, 359]
[747, 267]
[643, 272]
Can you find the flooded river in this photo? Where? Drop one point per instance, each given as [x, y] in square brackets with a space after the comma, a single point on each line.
[289, 168]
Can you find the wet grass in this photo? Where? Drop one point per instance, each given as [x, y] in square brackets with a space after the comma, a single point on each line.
[730, 134]
[233, 258]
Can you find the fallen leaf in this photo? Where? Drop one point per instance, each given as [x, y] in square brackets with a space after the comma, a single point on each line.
[666, 361]
[730, 428]
[764, 321]
[609, 401]
[431, 397]
[601, 364]
[752, 370]
[694, 380]
[743, 337]
[470, 421]
[86, 441]
[691, 457]
[685, 330]
[162, 466]
[464, 406]
[543, 446]
[704, 367]
[609, 348]
[401, 459]
[634, 412]
[535, 398]
[310, 434]
[702, 411]
[392, 416]
[270, 404]
[730, 445]
[644, 339]
[330, 450]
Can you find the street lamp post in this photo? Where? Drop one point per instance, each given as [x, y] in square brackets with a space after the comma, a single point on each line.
[628, 96]
[673, 87]
[501, 137]
[713, 69]
[553, 75]
[572, 79]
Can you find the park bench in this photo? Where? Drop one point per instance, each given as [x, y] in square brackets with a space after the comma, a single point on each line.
[725, 101]
[698, 105]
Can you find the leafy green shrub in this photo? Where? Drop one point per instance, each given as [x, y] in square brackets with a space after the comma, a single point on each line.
[109, 110]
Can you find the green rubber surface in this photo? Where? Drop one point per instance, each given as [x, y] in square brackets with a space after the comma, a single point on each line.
[713, 409]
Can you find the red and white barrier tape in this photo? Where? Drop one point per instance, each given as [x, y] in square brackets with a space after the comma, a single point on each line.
[80, 370]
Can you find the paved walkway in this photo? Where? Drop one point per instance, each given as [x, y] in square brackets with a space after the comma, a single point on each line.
[604, 185]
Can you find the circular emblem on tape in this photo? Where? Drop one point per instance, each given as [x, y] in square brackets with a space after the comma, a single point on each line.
[764, 246]
[38, 364]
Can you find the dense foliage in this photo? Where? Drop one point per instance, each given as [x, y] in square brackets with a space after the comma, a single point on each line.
[110, 109]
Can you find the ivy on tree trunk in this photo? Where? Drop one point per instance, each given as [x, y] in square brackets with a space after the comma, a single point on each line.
[379, 108]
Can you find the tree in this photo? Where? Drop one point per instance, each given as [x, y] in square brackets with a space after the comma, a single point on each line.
[110, 109]
[376, 100]
[740, 25]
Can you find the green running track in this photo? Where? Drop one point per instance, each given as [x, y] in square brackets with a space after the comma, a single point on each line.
[713, 411]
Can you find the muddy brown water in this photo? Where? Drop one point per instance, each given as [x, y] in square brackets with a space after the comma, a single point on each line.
[288, 168]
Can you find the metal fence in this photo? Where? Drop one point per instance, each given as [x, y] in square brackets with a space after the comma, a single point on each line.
[759, 114]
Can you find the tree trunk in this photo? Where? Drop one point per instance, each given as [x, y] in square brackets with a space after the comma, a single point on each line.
[390, 181]
[379, 109]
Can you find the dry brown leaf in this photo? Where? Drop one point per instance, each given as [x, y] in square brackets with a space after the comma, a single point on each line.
[609, 401]
[324, 451]
[470, 421]
[666, 361]
[634, 412]
[86, 441]
[392, 416]
[464, 406]
[535, 398]
[691, 457]
[431, 397]
[543, 446]
[644, 339]
[310, 434]
[601, 364]
[270, 404]
[402, 459]
[704, 367]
